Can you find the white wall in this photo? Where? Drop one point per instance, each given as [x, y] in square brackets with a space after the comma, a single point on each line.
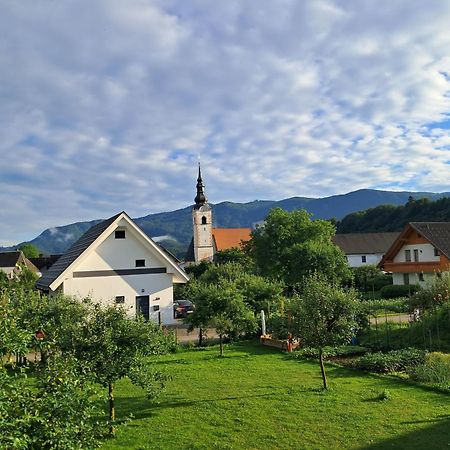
[426, 253]
[105, 289]
[356, 260]
[120, 254]
[397, 278]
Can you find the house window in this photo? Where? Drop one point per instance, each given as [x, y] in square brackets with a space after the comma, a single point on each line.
[436, 252]
[407, 255]
[406, 278]
[416, 255]
[363, 258]
[119, 234]
[140, 263]
[203, 220]
[120, 299]
[421, 277]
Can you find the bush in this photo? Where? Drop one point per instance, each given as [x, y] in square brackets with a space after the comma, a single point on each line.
[278, 325]
[435, 369]
[54, 409]
[341, 350]
[393, 361]
[370, 278]
[435, 292]
[392, 305]
[398, 290]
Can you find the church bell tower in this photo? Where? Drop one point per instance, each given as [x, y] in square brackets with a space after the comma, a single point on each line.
[202, 221]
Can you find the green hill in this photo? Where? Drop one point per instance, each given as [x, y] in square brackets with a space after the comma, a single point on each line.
[394, 218]
[174, 229]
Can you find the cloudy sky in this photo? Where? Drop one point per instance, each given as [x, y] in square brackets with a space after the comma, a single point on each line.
[106, 105]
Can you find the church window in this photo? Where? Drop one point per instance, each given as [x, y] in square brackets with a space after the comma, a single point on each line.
[203, 220]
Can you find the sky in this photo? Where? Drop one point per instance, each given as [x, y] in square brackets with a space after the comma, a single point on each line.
[107, 105]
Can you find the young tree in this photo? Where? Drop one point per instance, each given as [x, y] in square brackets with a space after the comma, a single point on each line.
[29, 250]
[220, 306]
[291, 246]
[113, 346]
[324, 314]
[258, 292]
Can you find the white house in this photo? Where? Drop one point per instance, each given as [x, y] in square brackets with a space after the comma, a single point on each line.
[116, 262]
[421, 252]
[362, 249]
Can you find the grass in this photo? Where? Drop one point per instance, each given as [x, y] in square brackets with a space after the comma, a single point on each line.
[256, 398]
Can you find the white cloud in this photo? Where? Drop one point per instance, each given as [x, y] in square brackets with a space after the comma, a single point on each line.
[105, 105]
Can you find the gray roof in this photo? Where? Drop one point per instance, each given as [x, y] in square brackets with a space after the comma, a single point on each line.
[74, 252]
[365, 243]
[437, 233]
[9, 259]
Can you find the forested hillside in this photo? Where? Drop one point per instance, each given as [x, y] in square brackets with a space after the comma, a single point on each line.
[394, 218]
[174, 229]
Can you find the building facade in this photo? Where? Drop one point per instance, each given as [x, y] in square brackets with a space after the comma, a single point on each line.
[421, 252]
[362, 249]
[115, 262]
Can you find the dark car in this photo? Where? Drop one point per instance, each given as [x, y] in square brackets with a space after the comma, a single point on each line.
[181, 308]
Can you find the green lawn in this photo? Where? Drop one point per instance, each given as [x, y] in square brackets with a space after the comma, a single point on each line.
[255, 398]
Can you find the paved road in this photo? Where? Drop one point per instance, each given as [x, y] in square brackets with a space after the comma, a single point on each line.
[401, 317]
[183, 336]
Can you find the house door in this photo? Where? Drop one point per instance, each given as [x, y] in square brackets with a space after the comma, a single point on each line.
[143, 306]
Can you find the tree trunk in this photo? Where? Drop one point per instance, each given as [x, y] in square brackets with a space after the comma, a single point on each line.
[112, 409]
[200, 337]
[221, 344]
[322, 369]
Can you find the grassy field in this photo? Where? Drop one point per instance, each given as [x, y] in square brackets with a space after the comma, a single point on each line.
[255, 398]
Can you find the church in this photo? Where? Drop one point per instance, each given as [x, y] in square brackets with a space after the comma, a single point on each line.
[207, 240]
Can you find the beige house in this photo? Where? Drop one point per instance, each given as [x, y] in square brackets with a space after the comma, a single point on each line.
[12, 263]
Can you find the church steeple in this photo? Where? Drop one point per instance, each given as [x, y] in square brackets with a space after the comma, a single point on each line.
[202, 222]
[200, 199]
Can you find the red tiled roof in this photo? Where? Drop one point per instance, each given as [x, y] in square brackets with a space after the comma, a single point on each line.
[230, 237]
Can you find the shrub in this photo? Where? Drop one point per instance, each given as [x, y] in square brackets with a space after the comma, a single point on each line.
[435, 369]
[435, 292]
[396, 305]
[393, 361]
[384, 395]
[278, 324]
[341, 350]
[398, 290]
[54, 409]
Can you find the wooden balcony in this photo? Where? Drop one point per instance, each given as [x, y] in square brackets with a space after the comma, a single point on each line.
[416, 266]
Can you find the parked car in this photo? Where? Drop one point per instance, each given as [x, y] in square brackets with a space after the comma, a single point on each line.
[181, 308]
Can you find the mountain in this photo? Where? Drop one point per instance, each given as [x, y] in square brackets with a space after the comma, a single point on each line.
[174, 229]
